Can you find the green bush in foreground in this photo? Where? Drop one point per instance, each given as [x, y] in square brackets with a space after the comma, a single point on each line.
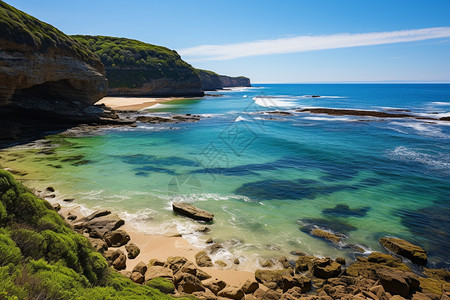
[41, 257]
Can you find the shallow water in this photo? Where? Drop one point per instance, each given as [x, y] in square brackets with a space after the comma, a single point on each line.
[266, 178]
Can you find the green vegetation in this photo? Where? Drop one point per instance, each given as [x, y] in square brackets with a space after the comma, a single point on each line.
[17, 27]
[131, 63]
[41, 257]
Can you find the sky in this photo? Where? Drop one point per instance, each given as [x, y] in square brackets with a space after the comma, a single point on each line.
[298, 41]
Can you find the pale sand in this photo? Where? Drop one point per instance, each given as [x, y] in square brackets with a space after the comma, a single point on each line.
[132, 103]
[161, 247]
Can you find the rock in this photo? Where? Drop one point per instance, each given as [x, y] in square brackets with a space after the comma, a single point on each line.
[388, 260]
[214, 248]
[292, 294]
[156, 262]
[101, 221]
[71, 217]
[203, 229]
[296, 281]
[158, 271]
[272, 279]
[95, 234]
[284, 262]
[141, 267]
[343, 210]
[249, 286]
[441, 274]
[50, 189]
[331, 270]
[212, 81]
[209, 241]
[125, 273]
[188, 283]
[420, 296]
[203, 260]
[137, 277]
[340, 260]
[49, 75]
[220, 263]
[132, 250]
[116, 238]
[250, 297]
[98, 244]
[401, 247]
[350, 112]
[278, 113]
[202, 275]
[175, 263]
[236, 261]
[298, 253]
[231, 292]
[326, 235]
[270, 295]
[192, 212]
[69, 200]
[266, 263]
[304, 263]
[205, 295]
[215, 285]
[116, 258]
[56, 206]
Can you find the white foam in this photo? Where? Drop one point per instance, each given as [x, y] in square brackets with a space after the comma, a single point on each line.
[239, 119]
[436, 161]
[424, 129]
[158, 106]
[441, 103]
[274, 102]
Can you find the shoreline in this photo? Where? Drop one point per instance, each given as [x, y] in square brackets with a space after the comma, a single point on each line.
[136, 103]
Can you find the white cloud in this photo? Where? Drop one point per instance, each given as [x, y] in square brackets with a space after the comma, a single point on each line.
[310, 43]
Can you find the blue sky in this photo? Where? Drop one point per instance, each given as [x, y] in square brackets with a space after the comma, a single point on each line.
[305, 41]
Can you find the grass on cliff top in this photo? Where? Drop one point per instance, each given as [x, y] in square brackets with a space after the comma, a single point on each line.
[41, 257]
[20, 28]
[131, 63]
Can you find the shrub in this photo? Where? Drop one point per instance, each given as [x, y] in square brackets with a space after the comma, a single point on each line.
[9, 252]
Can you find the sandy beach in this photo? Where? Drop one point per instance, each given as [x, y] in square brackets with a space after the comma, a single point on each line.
[134, 103]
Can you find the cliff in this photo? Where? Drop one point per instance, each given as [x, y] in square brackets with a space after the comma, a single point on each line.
[43, 69]
[134, 68]
[212, 81]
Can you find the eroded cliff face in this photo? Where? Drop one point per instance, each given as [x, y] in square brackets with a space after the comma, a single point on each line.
[43, 69]
[212, 81]
[135, 68]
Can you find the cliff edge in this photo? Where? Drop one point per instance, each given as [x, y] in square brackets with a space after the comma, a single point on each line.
[212, 81]
[43, 69]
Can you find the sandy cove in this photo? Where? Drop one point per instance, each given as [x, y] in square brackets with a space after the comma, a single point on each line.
[135, 103]
[157, 246]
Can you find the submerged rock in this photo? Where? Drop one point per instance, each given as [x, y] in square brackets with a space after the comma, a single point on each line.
[203, 260]
[192, 212]
[401, 247]
[343, 210]
[326, 235]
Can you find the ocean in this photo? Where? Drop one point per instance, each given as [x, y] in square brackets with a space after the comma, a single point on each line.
[270, 178]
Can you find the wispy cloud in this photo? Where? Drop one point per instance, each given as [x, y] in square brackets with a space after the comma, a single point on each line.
[310, 43]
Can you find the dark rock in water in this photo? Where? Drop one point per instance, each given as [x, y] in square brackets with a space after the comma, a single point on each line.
[343, 210]
[334, 225]
[169, 119]
[279, 113]
[116, 238]
[363, 113]
[192, 212]
[143, 174]
[81, 162]
[203, 260]
[326, 235]
[401, 247]
[315, 96]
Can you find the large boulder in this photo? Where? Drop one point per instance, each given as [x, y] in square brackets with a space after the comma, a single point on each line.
[101, 222]
[401, 247]
[215, 285]
[272, 279]
[188, 283]
[203, 260]
[116, 238]
[231, 292]
[116, 258]
[192, 212]
[132, 250]
[158, 271]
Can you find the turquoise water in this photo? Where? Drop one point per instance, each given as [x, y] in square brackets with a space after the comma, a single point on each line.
[269, 179]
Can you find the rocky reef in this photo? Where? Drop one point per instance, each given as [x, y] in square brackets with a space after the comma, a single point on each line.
[135, 68]
[43, 69]
[212, 81]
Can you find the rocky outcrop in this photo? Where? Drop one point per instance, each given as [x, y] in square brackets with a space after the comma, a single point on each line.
[212, 81]
[42, 69]
[192, 212]
[142, 69]
[401, 247]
